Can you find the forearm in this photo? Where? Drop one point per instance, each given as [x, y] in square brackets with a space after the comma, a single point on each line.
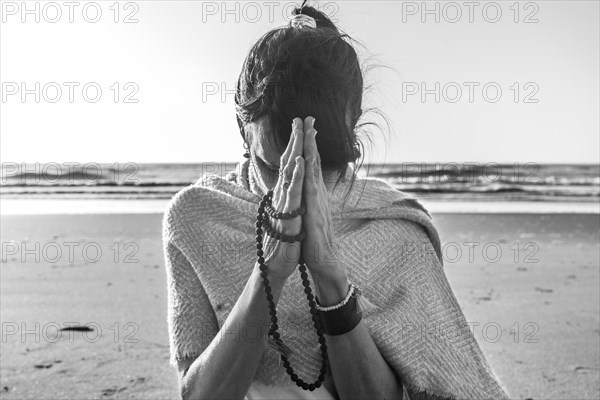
[359, 371]
[228, 365]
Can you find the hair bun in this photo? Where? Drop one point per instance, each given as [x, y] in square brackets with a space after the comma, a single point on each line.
[322, 21]
[302, 21]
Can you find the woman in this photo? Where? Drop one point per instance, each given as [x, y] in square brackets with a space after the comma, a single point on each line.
[238, 319]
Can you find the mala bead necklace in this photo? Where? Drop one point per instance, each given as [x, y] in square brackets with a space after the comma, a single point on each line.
[266, 210]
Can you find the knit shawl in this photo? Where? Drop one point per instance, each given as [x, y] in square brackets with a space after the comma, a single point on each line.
[391, 250]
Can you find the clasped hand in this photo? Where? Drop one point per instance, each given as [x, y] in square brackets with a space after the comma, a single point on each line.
[301, 182]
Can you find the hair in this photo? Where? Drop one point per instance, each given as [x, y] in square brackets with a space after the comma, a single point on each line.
[299, 72]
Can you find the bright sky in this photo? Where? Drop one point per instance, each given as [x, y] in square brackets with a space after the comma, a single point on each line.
[181, 59]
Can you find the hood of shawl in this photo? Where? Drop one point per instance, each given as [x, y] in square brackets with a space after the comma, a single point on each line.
[365, 196]
[368, 197]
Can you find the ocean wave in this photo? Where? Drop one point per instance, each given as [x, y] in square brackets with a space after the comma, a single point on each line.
[447, 181]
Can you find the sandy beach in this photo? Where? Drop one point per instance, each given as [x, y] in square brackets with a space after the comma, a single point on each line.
[528, 283]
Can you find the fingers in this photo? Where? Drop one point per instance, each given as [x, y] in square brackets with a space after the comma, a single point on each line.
[294, 192]
[310, 146]
[288, 161]
[290, 152]
[283, 184]
[313, 175]
[291, 198]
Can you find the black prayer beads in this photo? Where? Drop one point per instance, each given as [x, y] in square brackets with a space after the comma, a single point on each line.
[265, 209]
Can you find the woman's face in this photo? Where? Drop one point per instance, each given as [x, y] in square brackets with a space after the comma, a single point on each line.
[265, 156]
[263, 151]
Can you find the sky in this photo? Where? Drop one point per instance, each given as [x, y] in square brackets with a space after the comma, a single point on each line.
[152, 81]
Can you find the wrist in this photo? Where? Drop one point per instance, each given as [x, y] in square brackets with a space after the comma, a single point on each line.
[332, 287]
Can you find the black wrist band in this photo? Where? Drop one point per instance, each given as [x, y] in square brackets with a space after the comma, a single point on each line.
[341, 320]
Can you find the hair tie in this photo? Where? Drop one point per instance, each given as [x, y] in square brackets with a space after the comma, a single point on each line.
[303, 20]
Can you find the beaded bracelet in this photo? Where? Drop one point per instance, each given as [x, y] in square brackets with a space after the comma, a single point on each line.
[266, 224]
[281, 215]
[351, 288]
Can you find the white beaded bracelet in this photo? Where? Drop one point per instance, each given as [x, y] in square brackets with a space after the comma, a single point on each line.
[351, 289]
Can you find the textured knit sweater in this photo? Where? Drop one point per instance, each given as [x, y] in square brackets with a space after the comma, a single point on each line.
[387, 243]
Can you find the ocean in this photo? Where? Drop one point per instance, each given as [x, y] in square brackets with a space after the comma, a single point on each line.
[443, 181]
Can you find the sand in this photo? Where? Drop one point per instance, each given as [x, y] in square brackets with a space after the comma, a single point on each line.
[535, 312]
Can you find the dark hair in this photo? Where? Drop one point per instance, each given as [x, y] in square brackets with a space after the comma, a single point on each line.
[296, 72]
